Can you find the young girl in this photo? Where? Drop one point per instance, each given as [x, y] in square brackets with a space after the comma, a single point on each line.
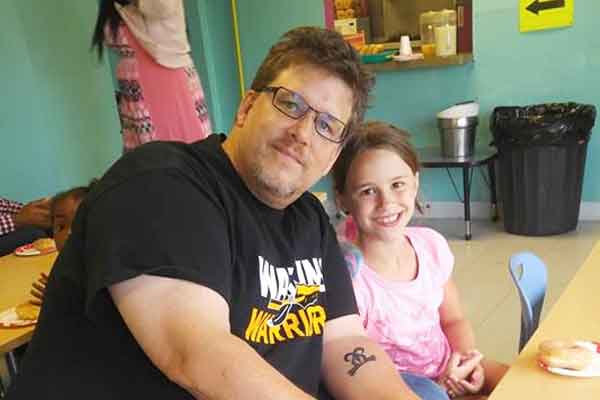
[402, 275]
[63, 208]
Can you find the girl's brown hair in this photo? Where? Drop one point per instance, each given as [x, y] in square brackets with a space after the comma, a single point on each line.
[369, 136]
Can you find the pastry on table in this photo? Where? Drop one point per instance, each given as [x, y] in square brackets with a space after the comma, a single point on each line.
[567, 354]
[27, 311]
[45, 245]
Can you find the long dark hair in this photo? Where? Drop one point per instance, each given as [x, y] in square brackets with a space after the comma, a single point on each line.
[107, 13]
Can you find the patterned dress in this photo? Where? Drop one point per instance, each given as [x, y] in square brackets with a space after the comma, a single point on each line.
[156, 102]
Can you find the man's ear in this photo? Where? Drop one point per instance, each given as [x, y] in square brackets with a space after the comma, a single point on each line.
[245, 106]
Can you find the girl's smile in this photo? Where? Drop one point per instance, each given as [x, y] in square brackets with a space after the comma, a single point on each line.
[380, 194]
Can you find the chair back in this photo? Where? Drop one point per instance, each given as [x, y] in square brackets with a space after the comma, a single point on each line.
[529, 274]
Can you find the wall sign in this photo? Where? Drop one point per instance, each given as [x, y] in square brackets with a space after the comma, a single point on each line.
[536, 15]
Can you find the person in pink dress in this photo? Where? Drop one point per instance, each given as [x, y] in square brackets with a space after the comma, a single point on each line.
[402, 275]
[160, 96]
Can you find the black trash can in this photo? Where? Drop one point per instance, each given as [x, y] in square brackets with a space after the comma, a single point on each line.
[541, 158]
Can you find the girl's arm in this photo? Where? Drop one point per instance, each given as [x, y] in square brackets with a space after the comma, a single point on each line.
[457, 328]
[461, 337]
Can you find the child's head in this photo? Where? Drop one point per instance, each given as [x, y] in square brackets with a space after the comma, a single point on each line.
[376, 179]
[63, 209]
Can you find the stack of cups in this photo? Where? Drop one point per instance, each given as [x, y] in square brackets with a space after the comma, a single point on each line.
[405, 49]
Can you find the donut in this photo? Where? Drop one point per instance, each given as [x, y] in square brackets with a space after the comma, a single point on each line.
[44, 244]
[567, 354]
[27, 311]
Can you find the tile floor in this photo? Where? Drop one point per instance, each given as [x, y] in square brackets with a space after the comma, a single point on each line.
[488, 295]
[489, 298]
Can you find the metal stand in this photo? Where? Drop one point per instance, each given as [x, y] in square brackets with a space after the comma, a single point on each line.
[11, 364]
[431, 157]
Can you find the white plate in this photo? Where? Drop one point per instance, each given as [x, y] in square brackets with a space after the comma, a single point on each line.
[10, 319]
[408, 57]
[592, 370]
[29, 250]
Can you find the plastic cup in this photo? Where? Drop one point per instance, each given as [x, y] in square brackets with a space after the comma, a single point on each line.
[405, 48]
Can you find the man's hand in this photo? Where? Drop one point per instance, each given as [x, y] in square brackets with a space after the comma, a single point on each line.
[35, 213]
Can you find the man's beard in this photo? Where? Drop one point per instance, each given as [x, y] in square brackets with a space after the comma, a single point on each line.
[272, 183]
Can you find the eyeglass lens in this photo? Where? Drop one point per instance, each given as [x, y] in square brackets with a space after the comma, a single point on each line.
[294, 106]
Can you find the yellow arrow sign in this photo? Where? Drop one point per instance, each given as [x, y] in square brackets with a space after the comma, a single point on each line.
[536, 15]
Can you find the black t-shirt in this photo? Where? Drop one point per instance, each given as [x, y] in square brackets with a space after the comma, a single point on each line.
[181, 211]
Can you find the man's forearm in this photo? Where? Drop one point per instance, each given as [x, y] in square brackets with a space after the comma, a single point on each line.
[188, 339]
[357, 368]
[231, 370]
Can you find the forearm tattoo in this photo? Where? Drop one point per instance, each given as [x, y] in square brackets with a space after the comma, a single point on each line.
[357, 358]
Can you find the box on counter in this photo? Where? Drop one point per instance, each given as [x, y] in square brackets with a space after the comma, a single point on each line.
[356, 40]
[352, 26]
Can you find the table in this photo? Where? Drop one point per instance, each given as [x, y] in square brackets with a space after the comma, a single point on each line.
[573, 316]
[16, 276]
[431, 157]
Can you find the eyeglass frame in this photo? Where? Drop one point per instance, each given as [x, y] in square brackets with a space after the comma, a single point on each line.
[275, 89]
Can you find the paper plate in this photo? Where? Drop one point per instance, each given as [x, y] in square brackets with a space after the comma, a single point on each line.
[592, 370]
[10, 319]
[409, 57]
[30, 250]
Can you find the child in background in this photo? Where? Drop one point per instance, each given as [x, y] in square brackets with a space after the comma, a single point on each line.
[402, 275]
[22, 223]
[63, 208]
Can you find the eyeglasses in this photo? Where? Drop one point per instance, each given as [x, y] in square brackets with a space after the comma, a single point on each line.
[294, 106]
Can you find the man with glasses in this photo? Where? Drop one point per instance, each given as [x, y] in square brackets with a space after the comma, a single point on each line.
[207, 270]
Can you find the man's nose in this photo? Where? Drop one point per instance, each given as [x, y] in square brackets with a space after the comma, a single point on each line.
[303, 128]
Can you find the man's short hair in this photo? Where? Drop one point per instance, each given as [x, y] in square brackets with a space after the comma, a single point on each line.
[325, 49]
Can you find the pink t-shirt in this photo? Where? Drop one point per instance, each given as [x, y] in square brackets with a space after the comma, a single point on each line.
[403, 317]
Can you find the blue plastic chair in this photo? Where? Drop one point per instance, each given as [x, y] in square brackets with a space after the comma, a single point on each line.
[529, 273]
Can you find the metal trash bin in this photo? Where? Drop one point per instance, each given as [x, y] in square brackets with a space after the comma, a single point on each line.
[457, 136]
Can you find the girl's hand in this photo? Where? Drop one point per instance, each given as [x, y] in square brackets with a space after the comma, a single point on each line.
[460, 367]
[474, 382]
[471, 385]
[39, 289]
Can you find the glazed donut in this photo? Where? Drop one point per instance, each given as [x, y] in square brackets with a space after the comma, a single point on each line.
[27, 311]
[564, 354]
[44, 244]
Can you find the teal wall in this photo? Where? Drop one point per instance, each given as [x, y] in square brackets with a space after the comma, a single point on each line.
[58, 122]
[260, 26]
[211, 37]
[510, 68]
[58, 126]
